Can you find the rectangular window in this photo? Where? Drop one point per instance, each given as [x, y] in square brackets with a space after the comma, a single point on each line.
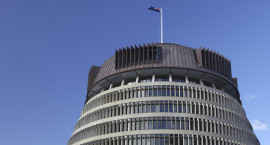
[162, 107]
[163, 90]
[155, 125]
[171, 107]
[172, 92]
[159, 124]
[144, 108]
[157, 107]
[166, 107]
[159, 91]
[148, 108]
[175, 107]
[179, 107]
[150, 92]
[146, 92]
[155, 92]
[168, 91]
[184, 107]
[164, 124]
[181, 91]
[153, 108]
[177, 123]
[169, 124]
[177, 91]
[150, 124]
[173, 124]
[143, 93]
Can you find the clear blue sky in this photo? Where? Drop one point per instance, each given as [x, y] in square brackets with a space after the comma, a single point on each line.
[47, 48]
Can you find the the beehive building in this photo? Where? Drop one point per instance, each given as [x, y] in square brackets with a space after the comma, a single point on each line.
[163, 94]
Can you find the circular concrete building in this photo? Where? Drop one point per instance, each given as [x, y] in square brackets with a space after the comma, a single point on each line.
[163, 94]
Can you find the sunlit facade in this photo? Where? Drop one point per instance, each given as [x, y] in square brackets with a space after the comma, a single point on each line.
[163, 94]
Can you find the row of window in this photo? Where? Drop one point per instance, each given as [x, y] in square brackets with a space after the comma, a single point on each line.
[164, 106]
[166, 139]
[152, 123]
[163, 91]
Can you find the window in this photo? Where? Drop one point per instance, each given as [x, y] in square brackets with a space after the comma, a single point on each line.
[145, 79]
[178, 79]
[161, 78]
[193, 81]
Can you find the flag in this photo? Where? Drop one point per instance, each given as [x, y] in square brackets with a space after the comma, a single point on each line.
[154, 9]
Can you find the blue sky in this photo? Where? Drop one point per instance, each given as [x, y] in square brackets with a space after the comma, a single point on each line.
[47, 48]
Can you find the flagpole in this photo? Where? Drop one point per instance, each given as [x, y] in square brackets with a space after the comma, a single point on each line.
[161, 25]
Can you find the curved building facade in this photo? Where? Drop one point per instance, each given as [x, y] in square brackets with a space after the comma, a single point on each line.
[163, 94]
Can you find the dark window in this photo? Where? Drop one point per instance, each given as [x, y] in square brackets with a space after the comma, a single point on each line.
[117, 84]
[178, 79]
[145, 79]
[206, 83]
[193, 81]
[161, 78]
[130, 81]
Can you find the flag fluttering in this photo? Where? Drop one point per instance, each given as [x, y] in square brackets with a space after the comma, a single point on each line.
[159, 10]
[154, 9]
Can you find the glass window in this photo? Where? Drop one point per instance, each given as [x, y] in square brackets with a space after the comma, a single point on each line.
[155, 92]
[179, 107]
[159, 91]
[157, 141]
[173, 124]
[159, 124]
[144, 108]
[187, 124]
[181, 91]
[143, 93]
[146, 92]
[143, 141]
[148, 141]
[178, 79]
[188, 108]
[155, 125]
[162, 107]
[148, 108]
[193, 81]
[150, 92]
[184, 107]
[166, 140]
[145, 79]
[157, 107]
[168, 91]
[146, 124]
[172, 92]
[164, 124]
[150, 124]
[163, 90]
[161, 78]
[175, 107]
[177, 123]
[169, 124]
[182, 123]
[152, 140]
[177, 91]
[166, 107]
[162, 141]
[171, 107]
[153, 108]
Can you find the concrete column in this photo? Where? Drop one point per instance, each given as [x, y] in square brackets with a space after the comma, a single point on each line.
[153, 78]
[137, 79]
[170, 77]
[123, 82]
[201, 82]
[186, 79]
